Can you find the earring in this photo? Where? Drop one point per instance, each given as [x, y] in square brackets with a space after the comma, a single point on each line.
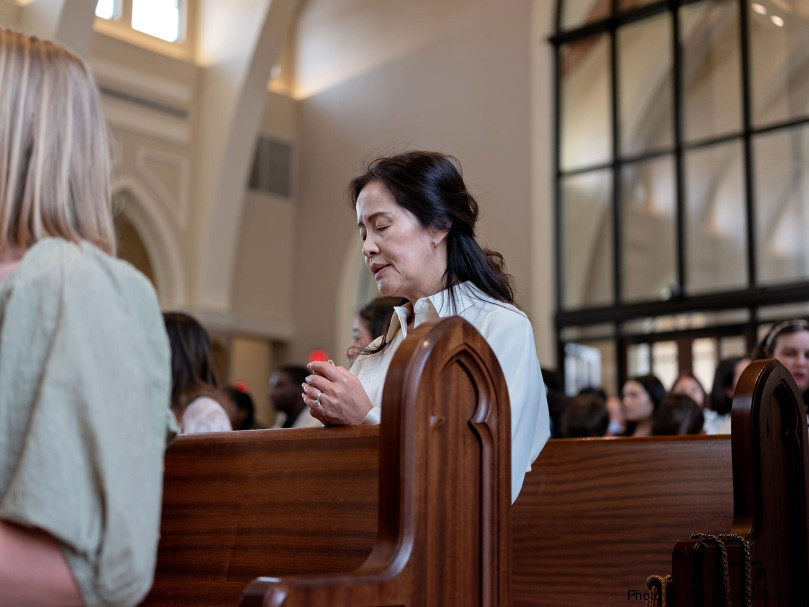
[434, 242]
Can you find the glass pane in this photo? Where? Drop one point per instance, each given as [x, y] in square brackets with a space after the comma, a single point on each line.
[712, 92]
[645, 85]
[638, 359]
[648, 229]
[105, 9]
[576, 13]
[159, 18]
[585, 106]
[582, 367]
[782, 213]
[604, 352]
[730, 347]
[783, 312]
[587, 239]
[586, 333]
[683, 322]
[665, 362]
[779, 40]
[716, 219]
[703, 361]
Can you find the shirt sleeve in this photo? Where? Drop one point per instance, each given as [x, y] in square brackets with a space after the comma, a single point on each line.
[511, 338]
[84, 369]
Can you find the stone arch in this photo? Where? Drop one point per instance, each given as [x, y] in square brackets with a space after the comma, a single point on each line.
[152, 225]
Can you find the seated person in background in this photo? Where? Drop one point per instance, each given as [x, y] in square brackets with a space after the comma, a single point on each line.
[689, 385]
[371, 321]
[557, 399]
[196, 399]
[678, 414]
[640, 399]
[585, 416]
[285, 397]
[416, 220]
[788, 343]
[84, 359]
[240, 407]
[720, 401]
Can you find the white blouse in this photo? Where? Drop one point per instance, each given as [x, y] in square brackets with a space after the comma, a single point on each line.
[510, 335]
[204, 414]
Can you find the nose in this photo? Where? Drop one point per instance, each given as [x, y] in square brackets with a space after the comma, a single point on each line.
[369, 247]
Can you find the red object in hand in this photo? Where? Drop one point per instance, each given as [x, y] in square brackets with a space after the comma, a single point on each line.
[318, 356]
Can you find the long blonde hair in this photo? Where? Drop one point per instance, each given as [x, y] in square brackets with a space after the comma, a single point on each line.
[54, 150]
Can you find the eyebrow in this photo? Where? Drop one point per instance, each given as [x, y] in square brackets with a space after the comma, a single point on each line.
[372, 216]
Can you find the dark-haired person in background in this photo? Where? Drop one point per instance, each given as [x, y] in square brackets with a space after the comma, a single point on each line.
[640, 399]
[241, 409]
[371, 321]
[285, 397]
[678, 414]
[417, 219]
[196, 399]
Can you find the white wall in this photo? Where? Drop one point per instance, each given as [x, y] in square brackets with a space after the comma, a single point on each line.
[466, 92]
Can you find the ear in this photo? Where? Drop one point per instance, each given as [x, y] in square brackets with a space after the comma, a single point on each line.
[437, 236]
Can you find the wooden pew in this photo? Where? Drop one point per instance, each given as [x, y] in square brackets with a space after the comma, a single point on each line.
[771, 494]
[596, 517]
[240, 505]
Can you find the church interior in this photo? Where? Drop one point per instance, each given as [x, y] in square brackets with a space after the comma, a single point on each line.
[641, 174]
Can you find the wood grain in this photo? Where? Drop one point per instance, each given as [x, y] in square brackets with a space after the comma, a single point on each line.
[596, 517]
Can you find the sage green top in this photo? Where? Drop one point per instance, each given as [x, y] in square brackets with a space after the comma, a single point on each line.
[84, 413]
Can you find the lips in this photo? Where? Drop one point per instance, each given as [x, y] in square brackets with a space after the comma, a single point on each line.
[377, 269]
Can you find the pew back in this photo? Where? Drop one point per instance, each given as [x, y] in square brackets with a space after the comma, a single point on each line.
[239, 504]
[595, 517]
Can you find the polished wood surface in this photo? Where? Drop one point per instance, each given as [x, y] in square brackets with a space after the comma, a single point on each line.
[770, 484]
[444, 494]
[239, 504]
[596, 517]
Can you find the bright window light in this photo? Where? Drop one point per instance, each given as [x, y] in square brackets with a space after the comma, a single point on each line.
[105, 9]
[159, 18]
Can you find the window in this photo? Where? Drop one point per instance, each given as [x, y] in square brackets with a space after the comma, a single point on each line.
[163, 19]
[680, 177]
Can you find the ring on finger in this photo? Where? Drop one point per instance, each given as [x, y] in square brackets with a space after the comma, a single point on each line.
[317, 400]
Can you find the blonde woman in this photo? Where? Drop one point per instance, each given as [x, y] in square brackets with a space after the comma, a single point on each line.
[84, 357]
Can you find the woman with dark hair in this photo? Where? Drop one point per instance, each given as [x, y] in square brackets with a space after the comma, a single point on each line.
[195, 396]
[240, 407]
[371, 321]
[720, 401]
[788, 343]
[640, 399]
[417, 222]
[679, 414]
[686, 383]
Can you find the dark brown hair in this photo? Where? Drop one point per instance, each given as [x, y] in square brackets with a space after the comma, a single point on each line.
[192, 369]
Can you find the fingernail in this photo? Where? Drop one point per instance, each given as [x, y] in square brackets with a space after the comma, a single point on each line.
[307, 380]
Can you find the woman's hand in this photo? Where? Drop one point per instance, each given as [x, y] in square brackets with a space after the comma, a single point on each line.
[334, 395]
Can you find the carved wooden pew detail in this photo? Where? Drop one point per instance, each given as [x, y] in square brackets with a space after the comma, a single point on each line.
[444, 494]
[770, 483]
